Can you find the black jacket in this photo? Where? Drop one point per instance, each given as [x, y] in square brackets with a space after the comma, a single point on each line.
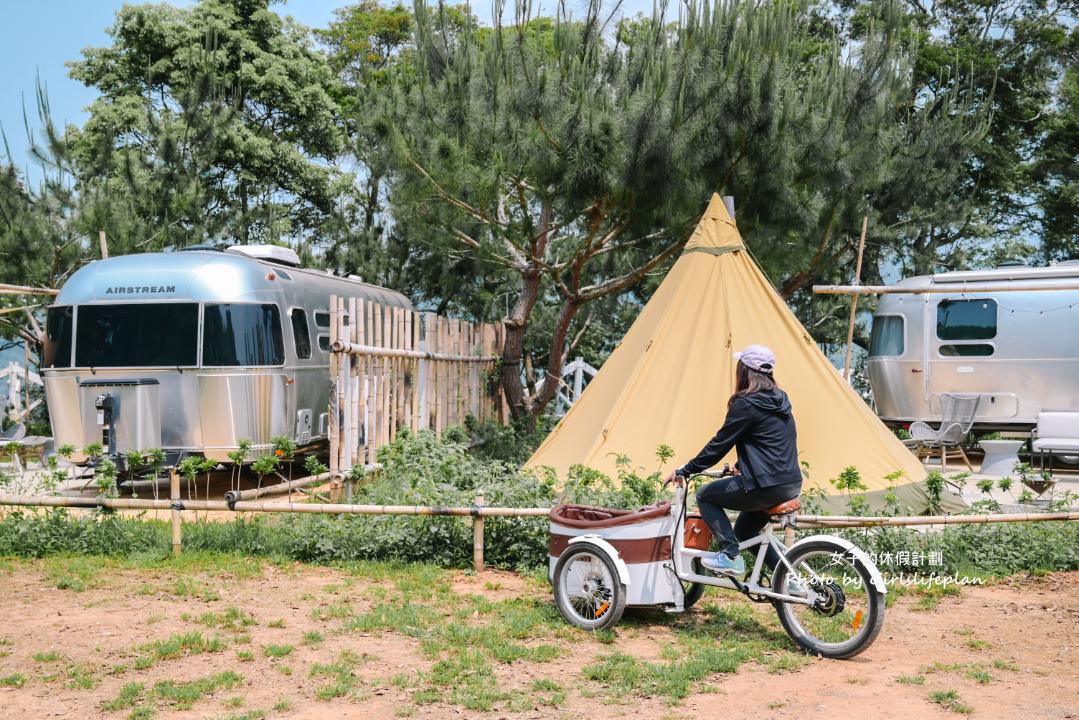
[761, 427]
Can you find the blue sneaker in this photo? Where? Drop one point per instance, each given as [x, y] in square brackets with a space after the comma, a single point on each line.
[724, 565]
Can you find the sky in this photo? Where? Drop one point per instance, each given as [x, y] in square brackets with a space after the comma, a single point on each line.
[42, 35]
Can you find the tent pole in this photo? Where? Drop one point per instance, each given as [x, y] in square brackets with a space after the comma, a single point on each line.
[854, 301]
[728, 202]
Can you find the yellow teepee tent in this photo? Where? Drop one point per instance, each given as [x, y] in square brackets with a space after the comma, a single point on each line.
[669, 379]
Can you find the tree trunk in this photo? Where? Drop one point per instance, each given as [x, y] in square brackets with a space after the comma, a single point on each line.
[513, 348]
[556, 359]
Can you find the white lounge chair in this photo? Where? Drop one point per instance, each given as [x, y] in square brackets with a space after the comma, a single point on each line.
[1056, 432]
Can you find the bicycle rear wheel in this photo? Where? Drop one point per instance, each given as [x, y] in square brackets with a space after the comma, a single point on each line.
[587, 589]
[849, 611]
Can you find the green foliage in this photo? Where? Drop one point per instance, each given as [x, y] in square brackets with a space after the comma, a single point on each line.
[223, 123]
[314, 466]
[934, 491]
[420, 469]
[849, 481]
[571, 157]
[283, 447]
[241, 453]
[105, 478]
[949, 699]
[265, 465]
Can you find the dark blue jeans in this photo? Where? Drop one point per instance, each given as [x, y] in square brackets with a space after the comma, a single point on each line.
[729, 494]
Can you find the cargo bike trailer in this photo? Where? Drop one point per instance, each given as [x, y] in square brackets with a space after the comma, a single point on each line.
[828, 594]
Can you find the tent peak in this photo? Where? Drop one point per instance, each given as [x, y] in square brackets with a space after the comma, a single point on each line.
[716, 230]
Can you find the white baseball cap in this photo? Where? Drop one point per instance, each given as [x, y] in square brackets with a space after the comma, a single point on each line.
[757, 357]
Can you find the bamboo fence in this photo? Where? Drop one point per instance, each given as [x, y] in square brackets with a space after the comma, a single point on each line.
[393, 368]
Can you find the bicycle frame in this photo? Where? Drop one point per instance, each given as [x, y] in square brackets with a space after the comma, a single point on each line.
[683, 560]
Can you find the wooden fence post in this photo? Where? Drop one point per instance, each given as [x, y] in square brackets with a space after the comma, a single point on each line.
[477, 537]
[174, 497]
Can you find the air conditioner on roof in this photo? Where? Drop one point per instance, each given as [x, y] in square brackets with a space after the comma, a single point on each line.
[270, 253]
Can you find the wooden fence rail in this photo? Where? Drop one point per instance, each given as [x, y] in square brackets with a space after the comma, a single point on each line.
[393, 368]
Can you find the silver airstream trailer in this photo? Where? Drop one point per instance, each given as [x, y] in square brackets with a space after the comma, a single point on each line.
[193, 351]
[1019, 350]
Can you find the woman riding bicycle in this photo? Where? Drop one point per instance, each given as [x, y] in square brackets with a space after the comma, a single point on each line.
[759, 424]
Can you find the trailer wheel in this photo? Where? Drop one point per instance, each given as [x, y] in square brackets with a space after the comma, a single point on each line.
[587, 589]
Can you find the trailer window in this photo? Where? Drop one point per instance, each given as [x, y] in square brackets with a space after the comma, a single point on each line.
[301, 334]
[58, 338]
[967, 350]
[967, 319]
[886, 339]
[242, 334]
[142, 335]
[322, 318]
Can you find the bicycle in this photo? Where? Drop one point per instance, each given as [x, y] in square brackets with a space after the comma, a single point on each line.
[828, 594]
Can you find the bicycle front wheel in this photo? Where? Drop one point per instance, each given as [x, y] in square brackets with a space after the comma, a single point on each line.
[848, 613]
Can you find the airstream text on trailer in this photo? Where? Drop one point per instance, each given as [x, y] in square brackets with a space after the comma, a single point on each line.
[1019, 350]
[194, 351]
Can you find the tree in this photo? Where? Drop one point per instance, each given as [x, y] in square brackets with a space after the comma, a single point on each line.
[1017, 57]
[574, 156]
[167, 83]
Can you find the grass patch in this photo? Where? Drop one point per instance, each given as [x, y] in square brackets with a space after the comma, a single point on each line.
[249, 715]
[549, 693]
[47, 657]
[1005, 665]
[282, 705]
[332, 612]
[129, 695]
[407, 619]
[627, 675]
[277, 651]
[245, 655]
[949, 700]
[787, 662]
[234, 619]
[80, 677]
[187, 587]
[183, 695]
[313, 637]
[15, 680]
[981, 676]
[926, 603]
[911, 679]
[277, 624]
[340, 671]
[77, 573]
[182, 644]
[176, 646]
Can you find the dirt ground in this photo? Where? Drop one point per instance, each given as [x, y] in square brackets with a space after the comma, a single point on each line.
[72, 634]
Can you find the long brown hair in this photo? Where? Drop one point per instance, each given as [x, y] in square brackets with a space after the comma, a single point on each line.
[749, 381]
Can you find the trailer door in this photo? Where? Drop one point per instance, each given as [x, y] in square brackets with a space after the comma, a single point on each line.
[961, 349]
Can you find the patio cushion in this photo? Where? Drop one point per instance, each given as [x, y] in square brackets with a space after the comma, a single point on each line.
[1058, 425]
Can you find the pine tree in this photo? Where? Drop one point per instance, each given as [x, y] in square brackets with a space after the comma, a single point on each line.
[573, 156]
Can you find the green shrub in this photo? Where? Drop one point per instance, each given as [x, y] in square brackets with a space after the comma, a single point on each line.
[421, 469]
